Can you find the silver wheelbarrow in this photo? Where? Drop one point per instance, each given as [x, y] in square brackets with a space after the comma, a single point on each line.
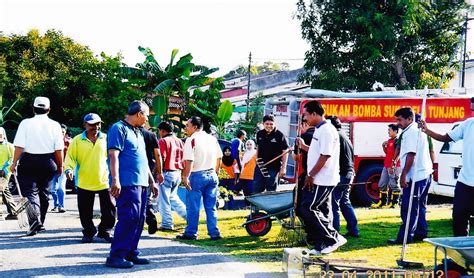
[461, 252]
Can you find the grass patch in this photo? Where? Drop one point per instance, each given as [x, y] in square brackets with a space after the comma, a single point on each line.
[376, 226]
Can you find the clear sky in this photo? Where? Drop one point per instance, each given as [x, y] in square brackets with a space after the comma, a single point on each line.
[218, 33]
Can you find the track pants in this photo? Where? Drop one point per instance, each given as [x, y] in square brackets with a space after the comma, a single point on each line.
[316, 213]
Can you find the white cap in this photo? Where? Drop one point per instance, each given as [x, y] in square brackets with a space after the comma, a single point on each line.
[41, 102]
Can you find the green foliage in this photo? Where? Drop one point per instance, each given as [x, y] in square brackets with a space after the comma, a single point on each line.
[256, 110]
[5, 111]
[355, 43]
[109, 96]
[55, 66]
[267, 66]
[176, 79]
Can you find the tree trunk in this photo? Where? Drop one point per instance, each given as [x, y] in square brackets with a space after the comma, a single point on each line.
[402, 78]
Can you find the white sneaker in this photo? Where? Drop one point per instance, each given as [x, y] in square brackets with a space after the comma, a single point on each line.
[314, 252]
[340, 241]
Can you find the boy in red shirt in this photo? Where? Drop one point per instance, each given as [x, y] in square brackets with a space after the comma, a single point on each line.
[390, 173]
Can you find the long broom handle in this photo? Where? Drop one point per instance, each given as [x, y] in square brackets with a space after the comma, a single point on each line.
[16, 182]
[412, 189]
[282, 154]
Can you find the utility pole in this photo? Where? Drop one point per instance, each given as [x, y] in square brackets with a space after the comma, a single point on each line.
[248, 88]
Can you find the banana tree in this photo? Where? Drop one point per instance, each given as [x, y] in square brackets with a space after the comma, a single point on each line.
[176, 79]
[219, 119]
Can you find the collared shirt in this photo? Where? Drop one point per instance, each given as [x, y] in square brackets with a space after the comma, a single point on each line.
[39, 135]
[411, 143]
[133, 164]
[465, 131]
[203, 149]
[90, 160]
[6, 157]
[271, 145]
[171, 149]
[325, 142]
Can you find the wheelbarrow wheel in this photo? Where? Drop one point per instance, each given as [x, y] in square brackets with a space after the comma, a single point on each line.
[454, 270]
[260, 227]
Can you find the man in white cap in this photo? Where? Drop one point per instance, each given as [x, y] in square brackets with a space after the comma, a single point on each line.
[39, 155]
[88, 152]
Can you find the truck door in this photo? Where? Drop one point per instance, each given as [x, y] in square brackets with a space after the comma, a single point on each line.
[449, 165]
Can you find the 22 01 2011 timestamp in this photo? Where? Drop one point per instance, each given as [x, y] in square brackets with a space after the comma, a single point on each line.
[383, 274]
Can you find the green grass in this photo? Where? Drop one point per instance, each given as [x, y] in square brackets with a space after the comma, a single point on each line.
[376, 226]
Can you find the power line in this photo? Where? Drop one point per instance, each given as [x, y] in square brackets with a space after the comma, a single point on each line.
[279, 59]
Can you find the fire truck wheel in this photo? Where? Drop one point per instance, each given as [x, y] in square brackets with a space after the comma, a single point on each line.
[368, 193]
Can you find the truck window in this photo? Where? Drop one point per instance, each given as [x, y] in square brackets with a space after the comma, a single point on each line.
[452, 147]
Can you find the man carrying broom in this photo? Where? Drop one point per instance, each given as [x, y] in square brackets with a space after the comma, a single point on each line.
[39, 155]
[416, 166]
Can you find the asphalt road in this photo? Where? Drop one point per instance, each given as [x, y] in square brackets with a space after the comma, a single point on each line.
[59, 252]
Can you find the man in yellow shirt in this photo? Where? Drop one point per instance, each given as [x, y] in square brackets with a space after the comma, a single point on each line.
[88, 152]
[6, 156]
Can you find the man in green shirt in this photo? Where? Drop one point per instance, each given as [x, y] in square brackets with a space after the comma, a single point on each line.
[88, 152]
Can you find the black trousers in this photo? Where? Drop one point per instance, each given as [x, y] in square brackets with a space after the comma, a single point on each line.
[150, 218]
[316, 212]
[85, 203]
[35, 172]
[463, 208]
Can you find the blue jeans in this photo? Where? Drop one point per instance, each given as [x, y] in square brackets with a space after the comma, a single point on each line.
[260, 183]
[341, 202]
[418, 227]
[131, 210]
[204, 187]
[58, 190]
[169, 200]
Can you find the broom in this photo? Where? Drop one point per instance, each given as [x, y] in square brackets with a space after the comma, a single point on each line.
[402, 262]
[24, 209]
[292, 233]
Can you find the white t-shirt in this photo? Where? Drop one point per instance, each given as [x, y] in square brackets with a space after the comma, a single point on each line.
[465, 131]
[39, 135]
[423, 164]
[203, 149]
[325, 142]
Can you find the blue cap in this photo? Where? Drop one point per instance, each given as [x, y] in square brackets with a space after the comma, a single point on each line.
[92, 118]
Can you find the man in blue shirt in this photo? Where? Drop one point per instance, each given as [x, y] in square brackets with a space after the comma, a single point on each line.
[463, 206]
[237, 146]
[130, 177]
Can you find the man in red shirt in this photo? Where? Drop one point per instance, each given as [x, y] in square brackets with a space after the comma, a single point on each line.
[171, 149]
[390, 173]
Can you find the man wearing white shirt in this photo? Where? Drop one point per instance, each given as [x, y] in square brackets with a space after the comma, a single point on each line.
[39, 154]
[463, 205]
[323, 176]
[202, 156]
[416, 166]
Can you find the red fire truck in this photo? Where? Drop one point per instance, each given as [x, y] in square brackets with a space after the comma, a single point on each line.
[365, 116]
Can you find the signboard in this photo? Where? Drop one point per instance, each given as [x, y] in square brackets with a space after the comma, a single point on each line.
[438, 110]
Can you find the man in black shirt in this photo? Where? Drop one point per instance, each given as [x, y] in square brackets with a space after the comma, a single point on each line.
[270, 144]
[341, 193]
[154, 163]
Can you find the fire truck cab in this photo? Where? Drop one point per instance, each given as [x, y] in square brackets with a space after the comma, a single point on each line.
[365, 117]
